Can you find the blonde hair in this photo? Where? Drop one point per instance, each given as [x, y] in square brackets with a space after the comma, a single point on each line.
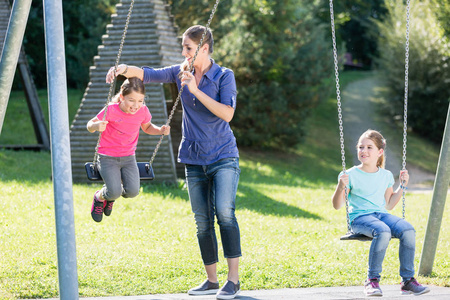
[195, 33]
[379, 141]
[132, 84]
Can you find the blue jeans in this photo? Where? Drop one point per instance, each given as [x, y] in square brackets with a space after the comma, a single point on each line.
[212, 192]
[383, 226]
[121, 176]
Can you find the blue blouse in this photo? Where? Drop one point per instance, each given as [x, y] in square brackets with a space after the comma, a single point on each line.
[206, 137]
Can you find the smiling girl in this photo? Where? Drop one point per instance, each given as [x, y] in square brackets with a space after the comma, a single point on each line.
[125, 114]
[371, 195]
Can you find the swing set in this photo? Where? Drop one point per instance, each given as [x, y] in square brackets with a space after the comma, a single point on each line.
[145, 168]
[350, 235]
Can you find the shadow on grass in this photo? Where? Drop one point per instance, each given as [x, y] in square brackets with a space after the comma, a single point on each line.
[251, 199]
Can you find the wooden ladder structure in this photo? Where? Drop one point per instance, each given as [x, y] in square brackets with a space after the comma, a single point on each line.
[151, 41]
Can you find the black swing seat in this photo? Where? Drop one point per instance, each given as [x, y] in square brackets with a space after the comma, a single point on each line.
[145, 171]
[350, 236]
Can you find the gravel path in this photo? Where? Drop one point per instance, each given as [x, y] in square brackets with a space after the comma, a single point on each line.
[359, 114]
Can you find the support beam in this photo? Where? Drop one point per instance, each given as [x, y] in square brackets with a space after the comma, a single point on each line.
[60, 149]
[437, 204]
[11, 51]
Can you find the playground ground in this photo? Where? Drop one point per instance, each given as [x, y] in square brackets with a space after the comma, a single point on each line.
[322, 293]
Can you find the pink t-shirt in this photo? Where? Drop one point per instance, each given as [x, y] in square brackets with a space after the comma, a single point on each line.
[122, 131]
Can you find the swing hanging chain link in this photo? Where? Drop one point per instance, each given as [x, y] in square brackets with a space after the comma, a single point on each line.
[339, 105]
[405, 107]
[112, 86]
[191, 66]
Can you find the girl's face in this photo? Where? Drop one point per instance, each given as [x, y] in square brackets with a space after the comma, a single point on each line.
[189, 48]
[368, 153]
[131, 103]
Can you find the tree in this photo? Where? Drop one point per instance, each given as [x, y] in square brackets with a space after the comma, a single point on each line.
[280, 59]
[429, 69]
[84, 24]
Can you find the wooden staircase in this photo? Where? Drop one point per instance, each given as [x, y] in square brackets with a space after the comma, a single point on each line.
[151, 40]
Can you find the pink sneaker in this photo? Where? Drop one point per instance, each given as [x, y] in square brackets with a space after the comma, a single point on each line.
[372, 287]
[97, 209]
[413, 287]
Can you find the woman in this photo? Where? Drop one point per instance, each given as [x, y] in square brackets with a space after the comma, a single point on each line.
[209, 151]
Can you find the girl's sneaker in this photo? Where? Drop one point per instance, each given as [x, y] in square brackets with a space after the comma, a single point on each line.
[413, 287]
[97, 209]
[372, 287]
[108, 208]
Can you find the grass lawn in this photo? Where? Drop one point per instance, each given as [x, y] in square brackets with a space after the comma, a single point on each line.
[289, 230]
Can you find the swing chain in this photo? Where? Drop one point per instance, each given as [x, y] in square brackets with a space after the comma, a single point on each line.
[112, 86]
[191, 66]
[339, 105]
[405, 107]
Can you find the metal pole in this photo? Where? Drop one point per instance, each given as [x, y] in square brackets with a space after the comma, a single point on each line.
[11, 51]
[437, 204]
[60, 148]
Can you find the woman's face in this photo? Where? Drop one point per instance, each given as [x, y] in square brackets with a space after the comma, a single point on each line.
[131, 103]
[189, 48]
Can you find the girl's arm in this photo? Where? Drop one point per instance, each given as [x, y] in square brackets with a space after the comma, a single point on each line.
[225, 112]
[152, 129]
[125, 70]
[95, 124]
[338, 198]
[392, 198]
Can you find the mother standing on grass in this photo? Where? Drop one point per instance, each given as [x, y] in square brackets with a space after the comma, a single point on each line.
[209, 151]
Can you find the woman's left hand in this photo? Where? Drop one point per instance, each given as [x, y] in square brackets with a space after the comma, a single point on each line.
[404, 177]
[189, 80]
[165, 130]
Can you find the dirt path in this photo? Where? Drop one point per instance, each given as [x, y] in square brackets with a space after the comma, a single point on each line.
[360, 113]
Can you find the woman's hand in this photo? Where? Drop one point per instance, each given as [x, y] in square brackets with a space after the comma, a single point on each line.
[121, 70]
[404, 178]
[189, 80]
[165, 130]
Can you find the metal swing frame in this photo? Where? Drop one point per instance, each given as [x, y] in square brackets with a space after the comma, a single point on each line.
[350, 235]
[145, 168]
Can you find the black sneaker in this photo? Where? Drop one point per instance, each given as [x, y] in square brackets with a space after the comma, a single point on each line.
[206, 288]
[97, 210]
[413, 287]
[108, 208]
[229, 290]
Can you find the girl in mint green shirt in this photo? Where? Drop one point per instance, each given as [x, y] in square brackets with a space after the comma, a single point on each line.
[371, 195]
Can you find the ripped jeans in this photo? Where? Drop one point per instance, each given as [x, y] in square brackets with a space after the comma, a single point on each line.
[383, 226]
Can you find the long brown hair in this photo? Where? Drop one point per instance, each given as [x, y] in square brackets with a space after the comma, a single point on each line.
[195, 33]
[132, 84]
[379, 141]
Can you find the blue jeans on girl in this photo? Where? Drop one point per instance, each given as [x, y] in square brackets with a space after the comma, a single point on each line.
[212, 192]
[383, 226]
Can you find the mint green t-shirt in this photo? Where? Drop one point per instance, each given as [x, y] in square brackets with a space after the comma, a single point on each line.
[367, 191]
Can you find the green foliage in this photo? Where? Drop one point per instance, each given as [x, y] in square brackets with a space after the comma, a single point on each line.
[354, 21]
[429, 70]
[84, 24]
[281, 62]
[442, 9]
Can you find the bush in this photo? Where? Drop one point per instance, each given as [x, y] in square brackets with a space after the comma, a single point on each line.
[429, 73]
[84, 24]
[282, 65]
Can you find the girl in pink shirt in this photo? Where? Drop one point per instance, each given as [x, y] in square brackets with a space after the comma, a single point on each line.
[125, 115]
